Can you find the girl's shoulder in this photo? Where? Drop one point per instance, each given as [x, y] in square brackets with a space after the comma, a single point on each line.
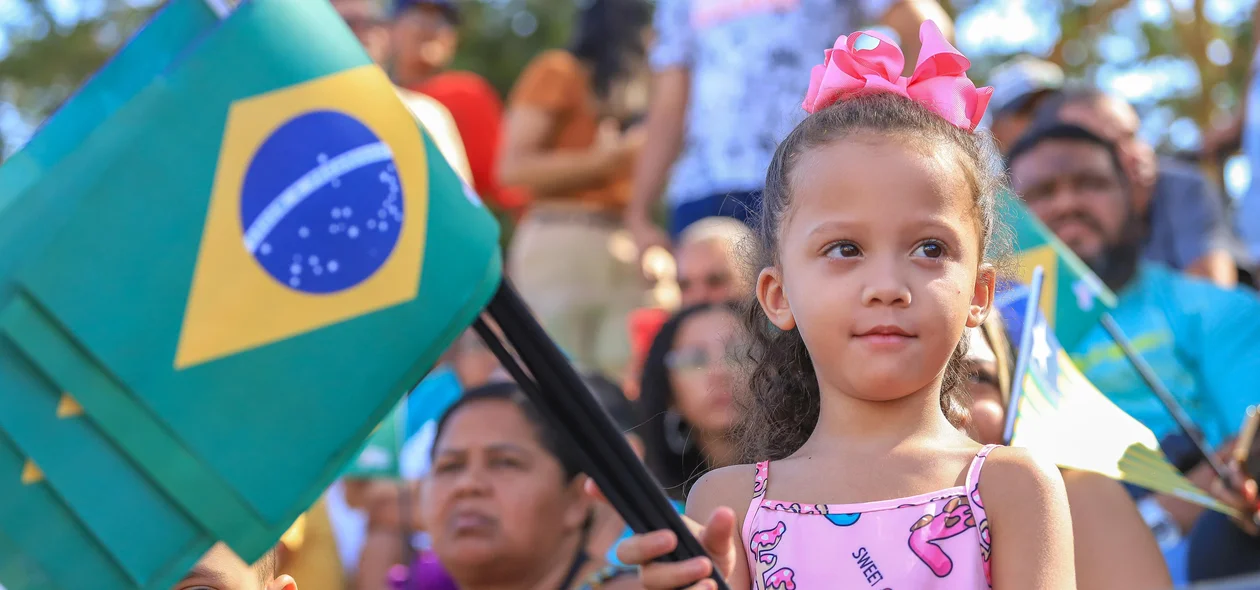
[1003, 462]
[1015, 475]
[1026, 505]
[730, 486]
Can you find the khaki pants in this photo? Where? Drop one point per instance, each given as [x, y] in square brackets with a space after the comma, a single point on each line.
[573, 271]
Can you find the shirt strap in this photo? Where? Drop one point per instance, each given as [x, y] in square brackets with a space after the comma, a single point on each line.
[977, 508]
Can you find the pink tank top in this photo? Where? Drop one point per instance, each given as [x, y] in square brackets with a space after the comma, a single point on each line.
[939, 540]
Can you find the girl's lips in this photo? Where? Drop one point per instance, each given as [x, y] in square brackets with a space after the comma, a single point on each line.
[885, 330]
[885, 342]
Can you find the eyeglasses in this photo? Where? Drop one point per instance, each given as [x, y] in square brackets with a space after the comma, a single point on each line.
[692, 359]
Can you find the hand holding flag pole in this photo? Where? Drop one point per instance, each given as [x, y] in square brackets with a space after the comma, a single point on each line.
[160, 360]
[565, 401]
[1178, 413]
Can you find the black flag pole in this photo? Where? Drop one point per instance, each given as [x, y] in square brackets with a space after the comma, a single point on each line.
[1179, 415]
[560, 394]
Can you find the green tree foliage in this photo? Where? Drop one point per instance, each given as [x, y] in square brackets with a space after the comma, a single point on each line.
[47, 60]
[1183, 63]
[498, 37]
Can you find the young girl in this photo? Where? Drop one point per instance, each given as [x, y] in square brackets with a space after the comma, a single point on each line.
[877, 212]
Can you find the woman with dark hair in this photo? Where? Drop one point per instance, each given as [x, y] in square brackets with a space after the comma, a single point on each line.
[686, 403]
[567, 141]
[504, 504]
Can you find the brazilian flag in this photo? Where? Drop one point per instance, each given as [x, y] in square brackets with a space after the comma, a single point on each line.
[222, 263]
[1073, 298]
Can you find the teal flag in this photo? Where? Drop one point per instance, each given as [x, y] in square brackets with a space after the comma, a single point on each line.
[222, 263]
[1072, 296]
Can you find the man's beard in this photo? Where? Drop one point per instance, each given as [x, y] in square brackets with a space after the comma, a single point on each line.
[1118, 262]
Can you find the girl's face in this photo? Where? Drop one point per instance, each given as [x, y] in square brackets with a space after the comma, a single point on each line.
[497, 501]
[700, 370]
[879, 265]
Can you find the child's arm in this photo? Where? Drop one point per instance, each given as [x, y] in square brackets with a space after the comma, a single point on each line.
[719, 500]
[730, 488]
[1114, 547]
[1029, 522]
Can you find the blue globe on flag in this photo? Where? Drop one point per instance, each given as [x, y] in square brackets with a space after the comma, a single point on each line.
[321, 204]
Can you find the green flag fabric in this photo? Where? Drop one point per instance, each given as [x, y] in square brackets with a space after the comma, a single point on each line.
[1073, 298]
[222, 263]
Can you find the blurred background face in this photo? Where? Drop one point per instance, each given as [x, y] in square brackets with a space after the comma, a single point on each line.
[364, 19]
[707, 273]
[700, 370]
[988, 409]
[497, 502]
[1116, 121]
[1010, 125]
[1007, 129]
[221, 569]
[473, 362]
[1075, 189]
[424, 41]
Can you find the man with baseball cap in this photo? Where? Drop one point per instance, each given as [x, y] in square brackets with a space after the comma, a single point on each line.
[1019, 87]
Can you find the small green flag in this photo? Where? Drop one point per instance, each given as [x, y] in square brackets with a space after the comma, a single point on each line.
[1073, 298]
[222, 264]
[379, 457]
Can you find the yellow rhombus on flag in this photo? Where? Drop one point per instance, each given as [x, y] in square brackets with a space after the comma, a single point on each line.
[1064, 418]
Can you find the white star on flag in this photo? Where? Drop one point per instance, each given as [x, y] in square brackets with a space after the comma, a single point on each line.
[1041, 351]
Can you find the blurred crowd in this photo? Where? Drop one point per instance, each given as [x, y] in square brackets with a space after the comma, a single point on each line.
[630, 166]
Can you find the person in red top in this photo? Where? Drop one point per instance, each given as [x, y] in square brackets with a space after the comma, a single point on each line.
[425, 39]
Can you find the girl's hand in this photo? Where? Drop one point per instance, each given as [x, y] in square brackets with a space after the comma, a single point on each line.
[717, 537]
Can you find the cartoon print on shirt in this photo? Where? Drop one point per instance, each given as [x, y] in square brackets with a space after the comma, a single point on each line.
[928, 531]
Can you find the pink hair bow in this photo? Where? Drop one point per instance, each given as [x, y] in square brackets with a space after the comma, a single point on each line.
[939, 81]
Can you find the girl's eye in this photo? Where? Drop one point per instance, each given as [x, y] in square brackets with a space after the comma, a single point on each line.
[843, 250]
[930, 249]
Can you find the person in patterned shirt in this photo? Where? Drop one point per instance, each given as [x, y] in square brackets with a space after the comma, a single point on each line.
[727, 86]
